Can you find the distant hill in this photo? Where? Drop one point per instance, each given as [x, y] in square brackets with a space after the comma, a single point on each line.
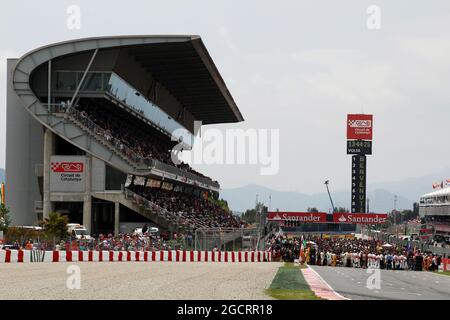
[241, 199]
[381, 195]
[2, 175]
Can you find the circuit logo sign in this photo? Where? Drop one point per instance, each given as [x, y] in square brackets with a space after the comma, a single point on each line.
[359, 126]
[67, 173]
[67, 166]
[360, 123]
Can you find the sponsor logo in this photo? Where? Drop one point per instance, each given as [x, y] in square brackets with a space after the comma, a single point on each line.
[297, 216]
[277, 217]
[362, 218]
[360, 123]
[67, 166]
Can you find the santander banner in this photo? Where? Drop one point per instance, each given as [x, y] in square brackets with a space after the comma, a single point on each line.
[360, 218]
[306, 217]
[359, 126]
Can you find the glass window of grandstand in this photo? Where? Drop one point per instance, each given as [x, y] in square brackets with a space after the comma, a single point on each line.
[93, 81]
[69, 80]
[114, 179]
[167, 186]
[178, 188]
[66, 81]
[153, 183]
[126, 93]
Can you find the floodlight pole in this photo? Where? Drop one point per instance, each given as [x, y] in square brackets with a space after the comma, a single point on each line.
[329, 195]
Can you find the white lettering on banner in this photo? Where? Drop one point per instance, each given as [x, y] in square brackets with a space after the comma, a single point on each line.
[376, 219]
[301, 218]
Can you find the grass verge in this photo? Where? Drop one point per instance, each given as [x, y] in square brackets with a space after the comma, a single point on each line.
[289, 284]
[444, 273]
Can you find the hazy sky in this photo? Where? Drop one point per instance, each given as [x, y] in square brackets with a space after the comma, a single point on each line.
[297, 66]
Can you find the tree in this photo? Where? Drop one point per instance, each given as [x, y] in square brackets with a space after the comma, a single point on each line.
[253, 215]
[221, 203]
[56, 225]
[5, 220]
[249, 216]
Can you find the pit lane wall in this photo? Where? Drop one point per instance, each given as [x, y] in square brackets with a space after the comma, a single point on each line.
[27, 256]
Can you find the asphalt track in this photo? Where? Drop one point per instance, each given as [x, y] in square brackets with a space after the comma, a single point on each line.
[394, 285]
[138, 280]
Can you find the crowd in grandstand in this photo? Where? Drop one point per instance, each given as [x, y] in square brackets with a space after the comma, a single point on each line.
[133, 137]
[353, 252]
[145, 241]
[189, 210]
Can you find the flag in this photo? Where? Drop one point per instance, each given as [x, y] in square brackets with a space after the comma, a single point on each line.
[302, 250]
[2, 191]
[437, 185]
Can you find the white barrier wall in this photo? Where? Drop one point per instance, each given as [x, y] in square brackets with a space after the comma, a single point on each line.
[26, 256]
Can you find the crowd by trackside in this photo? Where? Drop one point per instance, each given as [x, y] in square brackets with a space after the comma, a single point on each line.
[136, 241]
[350, 252]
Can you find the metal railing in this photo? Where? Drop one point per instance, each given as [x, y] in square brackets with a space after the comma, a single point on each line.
[125, 150]
[114, 85]
[226, 239]
[142, 201]
[188, 175]
[105, 135]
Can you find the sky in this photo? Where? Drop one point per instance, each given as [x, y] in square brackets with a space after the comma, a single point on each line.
[294, 66]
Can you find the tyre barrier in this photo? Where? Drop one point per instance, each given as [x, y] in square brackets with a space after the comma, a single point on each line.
[24, 256]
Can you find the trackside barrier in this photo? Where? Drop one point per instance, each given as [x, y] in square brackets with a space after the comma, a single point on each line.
[445, 265]
[26, 256]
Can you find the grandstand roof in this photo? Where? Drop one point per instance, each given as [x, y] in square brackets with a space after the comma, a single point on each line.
[181, 63]
[440, 192]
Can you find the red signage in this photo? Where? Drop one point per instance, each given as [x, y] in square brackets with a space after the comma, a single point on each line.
[359, 126]
[360, 218]
[67, 166]
[306, 217]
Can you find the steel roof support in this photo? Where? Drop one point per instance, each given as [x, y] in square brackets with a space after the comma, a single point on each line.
[83, 77]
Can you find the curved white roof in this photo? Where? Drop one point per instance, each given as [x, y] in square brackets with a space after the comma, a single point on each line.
[437, 193]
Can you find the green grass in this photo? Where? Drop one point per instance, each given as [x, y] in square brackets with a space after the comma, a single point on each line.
[289, 284]
[445, 273]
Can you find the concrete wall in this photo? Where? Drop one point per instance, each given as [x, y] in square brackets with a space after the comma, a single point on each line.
[98, 171]
[24, 149]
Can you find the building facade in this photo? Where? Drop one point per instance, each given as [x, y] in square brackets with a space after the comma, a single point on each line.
[70, 109]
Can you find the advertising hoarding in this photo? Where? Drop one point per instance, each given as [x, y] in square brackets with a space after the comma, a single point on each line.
[360, 218]
[359, 126]
[306, 217]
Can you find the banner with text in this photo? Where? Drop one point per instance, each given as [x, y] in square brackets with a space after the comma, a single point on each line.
[359, 126]
[306, 217]
[67, 173]
[360, 218]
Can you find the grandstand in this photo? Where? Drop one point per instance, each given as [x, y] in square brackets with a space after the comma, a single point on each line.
[90, 128]
[434, 210]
